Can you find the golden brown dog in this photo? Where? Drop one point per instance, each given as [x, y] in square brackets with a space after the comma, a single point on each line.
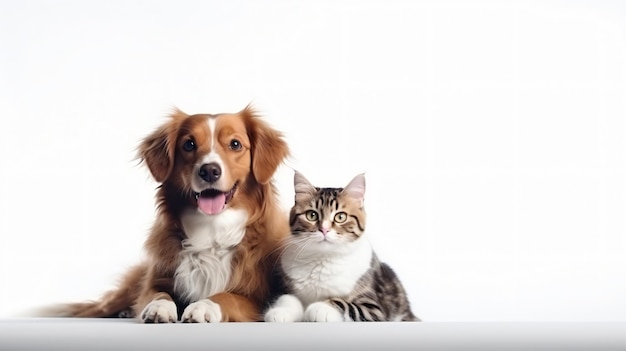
[212, 248]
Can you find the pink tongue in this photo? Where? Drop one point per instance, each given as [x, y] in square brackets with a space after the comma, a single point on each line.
[212, 205]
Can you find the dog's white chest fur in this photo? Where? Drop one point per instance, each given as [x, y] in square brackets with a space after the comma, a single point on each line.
[205, 260]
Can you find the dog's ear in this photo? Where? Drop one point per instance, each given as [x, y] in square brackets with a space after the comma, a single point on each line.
[158, 149]
[268, 147]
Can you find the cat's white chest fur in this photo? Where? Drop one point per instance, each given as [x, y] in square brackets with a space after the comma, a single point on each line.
[205, 260]
[317, 276]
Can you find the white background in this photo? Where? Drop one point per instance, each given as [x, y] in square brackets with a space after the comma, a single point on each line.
[491, 133]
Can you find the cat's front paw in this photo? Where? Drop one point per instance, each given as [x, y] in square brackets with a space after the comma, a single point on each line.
[322, 312]
[286, 309]
[281, 315]
[202, 311]
[159, 311]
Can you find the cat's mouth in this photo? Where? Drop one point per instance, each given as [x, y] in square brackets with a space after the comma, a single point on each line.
[214, 201]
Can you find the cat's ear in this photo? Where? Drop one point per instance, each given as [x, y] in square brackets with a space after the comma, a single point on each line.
[301, 185]
[356, 188]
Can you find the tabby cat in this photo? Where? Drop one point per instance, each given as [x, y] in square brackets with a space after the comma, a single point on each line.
[328, 266]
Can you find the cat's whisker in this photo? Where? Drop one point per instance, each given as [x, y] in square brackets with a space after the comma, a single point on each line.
[302, 249]
[286, 244]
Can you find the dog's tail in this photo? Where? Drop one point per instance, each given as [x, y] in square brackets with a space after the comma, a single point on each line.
[116, 303]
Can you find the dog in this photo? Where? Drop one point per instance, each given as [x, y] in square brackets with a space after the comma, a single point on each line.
[212, 248]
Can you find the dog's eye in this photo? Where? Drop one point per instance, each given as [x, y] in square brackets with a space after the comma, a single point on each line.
[189, 145]
[311, 215]
[235, 145]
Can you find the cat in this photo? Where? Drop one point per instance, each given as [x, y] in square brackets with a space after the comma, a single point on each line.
[329, 269]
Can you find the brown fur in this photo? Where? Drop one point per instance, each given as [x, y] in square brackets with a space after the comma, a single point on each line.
[250, 286]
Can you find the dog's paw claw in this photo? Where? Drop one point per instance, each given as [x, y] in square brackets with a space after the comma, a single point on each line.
[159, 311]
[202, 311]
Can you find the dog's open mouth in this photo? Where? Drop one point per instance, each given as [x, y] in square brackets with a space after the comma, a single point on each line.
[213, 201]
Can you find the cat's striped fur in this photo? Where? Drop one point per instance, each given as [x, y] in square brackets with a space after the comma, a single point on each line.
[328, 266]
[378, 296]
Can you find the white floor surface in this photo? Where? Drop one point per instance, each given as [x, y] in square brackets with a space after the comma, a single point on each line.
[113, 334]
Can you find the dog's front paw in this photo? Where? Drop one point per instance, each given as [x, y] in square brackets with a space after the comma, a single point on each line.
[322, 312]
[159, 311]
[202, 311]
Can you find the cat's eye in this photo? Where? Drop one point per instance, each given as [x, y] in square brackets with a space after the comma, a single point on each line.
[235, 145]
[341, 217]
[311, 215]
[189, 145]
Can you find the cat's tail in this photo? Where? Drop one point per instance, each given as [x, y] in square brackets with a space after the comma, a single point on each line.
[410, 317]
[115, 303]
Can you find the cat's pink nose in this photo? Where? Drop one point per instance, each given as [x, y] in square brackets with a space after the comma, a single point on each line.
[324, 230]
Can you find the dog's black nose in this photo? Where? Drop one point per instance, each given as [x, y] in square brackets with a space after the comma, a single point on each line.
[210, 172]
